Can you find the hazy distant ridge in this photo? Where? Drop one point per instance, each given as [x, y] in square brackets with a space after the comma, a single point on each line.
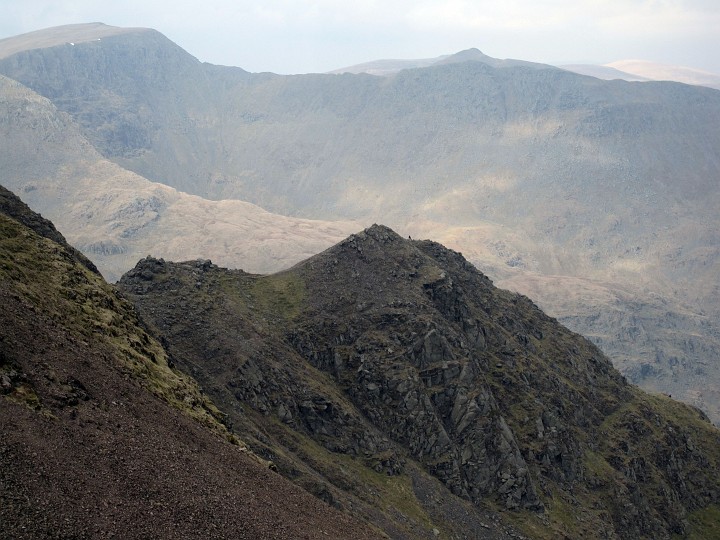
[549, 181]
[628, 70]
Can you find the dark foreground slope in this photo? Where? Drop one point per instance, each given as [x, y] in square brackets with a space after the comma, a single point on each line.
[380, 360]
[100, 438]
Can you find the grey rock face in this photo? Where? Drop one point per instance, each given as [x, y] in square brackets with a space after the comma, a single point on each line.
[402, 354]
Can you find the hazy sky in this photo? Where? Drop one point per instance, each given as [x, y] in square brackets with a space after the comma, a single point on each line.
[286, 36]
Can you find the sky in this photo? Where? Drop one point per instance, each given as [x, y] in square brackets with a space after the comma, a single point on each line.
[286, 36]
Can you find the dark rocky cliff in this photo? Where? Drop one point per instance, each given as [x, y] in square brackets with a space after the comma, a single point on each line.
[398, 356]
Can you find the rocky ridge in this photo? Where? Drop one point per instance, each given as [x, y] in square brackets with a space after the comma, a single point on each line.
[390, 356]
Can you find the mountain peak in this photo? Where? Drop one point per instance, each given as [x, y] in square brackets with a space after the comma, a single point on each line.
[379, 233]
[466, 55]
[476, 55]
[377, 254]
[60, 35]
[421, 366]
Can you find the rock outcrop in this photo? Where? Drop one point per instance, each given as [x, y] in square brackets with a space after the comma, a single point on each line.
[399, 355]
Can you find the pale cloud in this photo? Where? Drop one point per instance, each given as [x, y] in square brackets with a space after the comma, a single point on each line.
[483, 15]
[622, 16]
[657, 17]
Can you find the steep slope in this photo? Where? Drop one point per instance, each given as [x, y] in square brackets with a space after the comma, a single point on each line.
[117, 217]
[137, 97]
[100, 436]
[675, 347]
[536, 173]
[399, 356]
[287, 410]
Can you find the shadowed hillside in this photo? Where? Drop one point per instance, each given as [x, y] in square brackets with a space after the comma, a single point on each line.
[545, 179]
[116, 217]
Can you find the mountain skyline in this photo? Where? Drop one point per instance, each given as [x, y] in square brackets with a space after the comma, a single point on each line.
[286, 37]
[630, 70]
[627, 70]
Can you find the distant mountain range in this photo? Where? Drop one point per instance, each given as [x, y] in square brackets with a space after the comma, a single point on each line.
[627, 70]
[649, 71]
[597, 198]
[117, 217]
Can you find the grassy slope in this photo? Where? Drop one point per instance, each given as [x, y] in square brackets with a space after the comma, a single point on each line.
[89, 308]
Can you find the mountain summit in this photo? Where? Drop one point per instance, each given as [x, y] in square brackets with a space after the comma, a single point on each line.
[67, 35]
[391, 67]
[475, 55]
[392, 357]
